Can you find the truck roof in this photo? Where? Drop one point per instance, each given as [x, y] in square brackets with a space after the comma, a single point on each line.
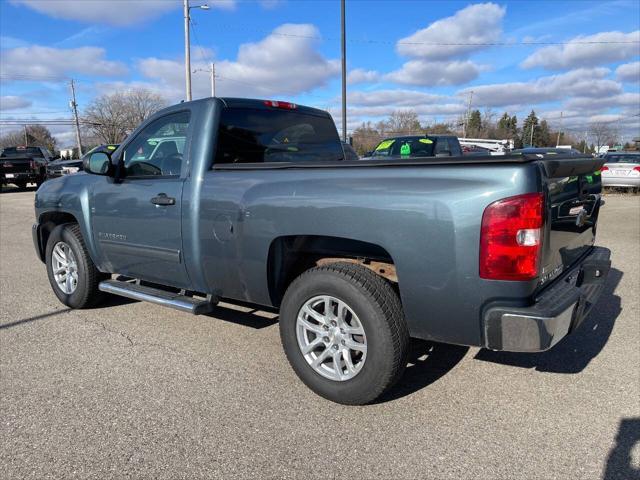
[265, 104]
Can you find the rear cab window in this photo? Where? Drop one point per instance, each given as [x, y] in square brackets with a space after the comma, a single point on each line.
[269, 135]
[22, 152]
[622, 158]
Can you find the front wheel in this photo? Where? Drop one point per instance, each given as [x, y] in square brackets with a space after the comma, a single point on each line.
[344, 333]
[72, 274]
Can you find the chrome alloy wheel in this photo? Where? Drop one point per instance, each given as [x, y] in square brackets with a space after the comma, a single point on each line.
[331, 338]
[65, 267]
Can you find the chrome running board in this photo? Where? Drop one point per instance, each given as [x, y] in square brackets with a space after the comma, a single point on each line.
[144, 293]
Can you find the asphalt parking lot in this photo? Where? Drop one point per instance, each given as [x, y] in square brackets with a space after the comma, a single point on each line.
[136, 390]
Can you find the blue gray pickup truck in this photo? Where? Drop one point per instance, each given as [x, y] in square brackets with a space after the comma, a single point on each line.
[253, 201]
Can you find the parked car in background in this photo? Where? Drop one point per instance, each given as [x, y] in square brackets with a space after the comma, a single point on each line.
[416, 146]
[66, 167]
[621, 169]
[22, 165]
[349, 152]
[262, 207]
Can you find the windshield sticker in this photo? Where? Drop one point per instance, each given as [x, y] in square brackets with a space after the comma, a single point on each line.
[426, 140]
[384, 145]
[405, 149]
[152, 142]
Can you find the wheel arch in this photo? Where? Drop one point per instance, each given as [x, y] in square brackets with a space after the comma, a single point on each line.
[47, 221]
[291, 255]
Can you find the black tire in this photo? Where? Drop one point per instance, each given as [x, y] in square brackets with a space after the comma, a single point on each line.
[86, 293]
[377, 306]
[21, 185]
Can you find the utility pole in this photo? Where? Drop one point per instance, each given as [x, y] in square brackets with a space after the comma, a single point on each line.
[466, 119]
[531, 142]
[187, 51]
[74, 106]
[559, 130]
[344, 70]
[26, 139]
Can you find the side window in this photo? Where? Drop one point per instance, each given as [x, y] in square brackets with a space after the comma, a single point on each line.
[158, 149]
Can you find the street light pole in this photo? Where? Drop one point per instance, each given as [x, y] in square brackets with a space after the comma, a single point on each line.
[213, 79]
[186, 8]
[187, 51]
[344, 71]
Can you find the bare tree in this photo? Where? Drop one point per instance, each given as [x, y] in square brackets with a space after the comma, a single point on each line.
[12, 139]
[110, 118]
[35, 135]
[141, 104]
[402, 122]
[365, 138]
[602, 133]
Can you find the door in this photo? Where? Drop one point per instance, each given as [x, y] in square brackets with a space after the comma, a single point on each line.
[137, 220]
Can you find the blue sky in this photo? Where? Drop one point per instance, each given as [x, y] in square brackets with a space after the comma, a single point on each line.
[290, 49]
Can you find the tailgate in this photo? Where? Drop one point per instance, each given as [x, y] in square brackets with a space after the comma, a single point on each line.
[573, 198]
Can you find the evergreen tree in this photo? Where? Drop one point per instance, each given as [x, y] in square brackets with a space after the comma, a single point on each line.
[542, 136]
[474, 126]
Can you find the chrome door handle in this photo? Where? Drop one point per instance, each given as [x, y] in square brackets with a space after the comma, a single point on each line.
[162, 199]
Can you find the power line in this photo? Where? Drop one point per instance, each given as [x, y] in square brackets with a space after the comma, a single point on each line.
[448, 44]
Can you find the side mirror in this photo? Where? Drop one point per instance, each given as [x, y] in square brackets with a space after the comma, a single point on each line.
[98, 163]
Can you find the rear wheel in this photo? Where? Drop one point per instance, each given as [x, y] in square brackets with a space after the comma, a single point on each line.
[21, 185]
[343, 331]
[72, 274]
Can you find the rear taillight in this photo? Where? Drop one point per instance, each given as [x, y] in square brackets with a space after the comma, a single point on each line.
[277, 104]
[511, 237]
[604, 169]
[636, 169]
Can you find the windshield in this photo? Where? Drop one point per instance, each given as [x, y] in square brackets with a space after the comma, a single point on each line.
[248, 135]
[622, 158]
[405, 147]
[21, 152]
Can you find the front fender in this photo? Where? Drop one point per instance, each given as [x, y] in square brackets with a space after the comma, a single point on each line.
[63, 200]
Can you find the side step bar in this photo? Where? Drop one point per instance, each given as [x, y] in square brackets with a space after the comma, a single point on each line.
[178, 301]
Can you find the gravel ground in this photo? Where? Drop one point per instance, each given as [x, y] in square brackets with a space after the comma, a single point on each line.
[136, 390]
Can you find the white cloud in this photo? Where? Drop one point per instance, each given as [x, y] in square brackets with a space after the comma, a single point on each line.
[577, 54]
[589, 83]
[12, 102]
[629, 72]
[475, 24]
[38, 62]
[104, 11]
[436, 73]
[439, 52]
[359, 75]
[623, 100]
[398, 98]
[424, 110]
[278, 64]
